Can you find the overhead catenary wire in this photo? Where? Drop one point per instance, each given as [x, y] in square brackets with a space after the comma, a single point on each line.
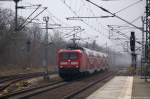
[90, 9]
[66, 27]
[139, 17]
[120, 33]
[83, 20]
[94, 15]
[128, 6]
[38, 6]
[75, 33]
[74, 12]
[54, 19]
[124, 9]
[33, 18]
[105, 10]
[124, 35]
[68, 33]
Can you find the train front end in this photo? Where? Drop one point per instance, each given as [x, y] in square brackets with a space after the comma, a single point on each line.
[69, 63]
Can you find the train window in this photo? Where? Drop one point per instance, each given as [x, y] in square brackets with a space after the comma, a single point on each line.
[73, 55]
[65, 56]
[69, 55]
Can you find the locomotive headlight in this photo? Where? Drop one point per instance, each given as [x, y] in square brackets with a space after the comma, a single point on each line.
[61, 66]
[74, 63]
[77, 66]
[63, 63]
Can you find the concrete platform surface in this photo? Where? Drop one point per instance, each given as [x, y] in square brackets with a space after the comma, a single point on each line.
[120, 87]
[141, 89]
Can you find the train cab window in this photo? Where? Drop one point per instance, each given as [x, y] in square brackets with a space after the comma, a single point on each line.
[69, 55]
[73, 55]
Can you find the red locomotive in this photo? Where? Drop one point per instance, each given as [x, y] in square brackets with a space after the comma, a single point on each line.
[74, 62]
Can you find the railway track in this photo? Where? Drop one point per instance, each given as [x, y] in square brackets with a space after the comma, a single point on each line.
[12, 77]
[8, 80]
[59, 86]
[31, 91]
[67, 89]
[71, 95]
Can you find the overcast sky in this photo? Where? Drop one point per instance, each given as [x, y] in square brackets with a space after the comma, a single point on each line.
[95, 27]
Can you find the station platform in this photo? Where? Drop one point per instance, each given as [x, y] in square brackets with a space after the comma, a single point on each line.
[140, 89]
[123, 87]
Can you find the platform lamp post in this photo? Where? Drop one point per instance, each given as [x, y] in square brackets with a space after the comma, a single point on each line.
[45, 62]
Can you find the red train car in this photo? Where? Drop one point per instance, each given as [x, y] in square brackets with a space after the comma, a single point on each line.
[74, 62]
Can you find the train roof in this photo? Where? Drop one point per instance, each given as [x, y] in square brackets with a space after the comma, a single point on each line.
[95, 53]
[86, 50]
[69, 50]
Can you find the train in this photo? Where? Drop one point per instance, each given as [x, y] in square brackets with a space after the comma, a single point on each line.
[74, 62]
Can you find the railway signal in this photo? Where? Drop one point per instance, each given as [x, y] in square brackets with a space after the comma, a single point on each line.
[133, 54]
[132, 42]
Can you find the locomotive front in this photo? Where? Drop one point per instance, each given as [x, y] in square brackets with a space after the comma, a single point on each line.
[69, 63]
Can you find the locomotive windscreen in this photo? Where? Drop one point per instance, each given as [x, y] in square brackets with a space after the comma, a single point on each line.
[69, 55]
